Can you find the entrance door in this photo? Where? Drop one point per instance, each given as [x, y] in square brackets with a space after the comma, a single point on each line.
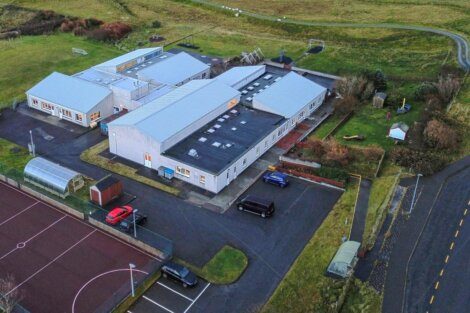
[148, 160]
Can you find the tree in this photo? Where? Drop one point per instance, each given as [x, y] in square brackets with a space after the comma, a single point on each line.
[446, 88]
[425, 163]
[8, 298]
[346, 104]
[439, 135]
[380, 82]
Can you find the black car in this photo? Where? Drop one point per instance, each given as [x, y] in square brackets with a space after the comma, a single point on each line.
[256, 205]
[127, 225]
[179, 273]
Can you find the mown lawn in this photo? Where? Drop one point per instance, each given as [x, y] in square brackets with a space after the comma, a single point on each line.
[305, 288]
[225, 267]
[29, 59]
[13, 157]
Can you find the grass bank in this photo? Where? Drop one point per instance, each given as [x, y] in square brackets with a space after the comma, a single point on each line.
[225, 267]
[92, 156]
[305, 288]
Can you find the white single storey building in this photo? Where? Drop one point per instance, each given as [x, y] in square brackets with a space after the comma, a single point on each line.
[71, 99]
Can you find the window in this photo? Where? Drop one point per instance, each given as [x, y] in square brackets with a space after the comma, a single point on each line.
[35, 102]
[78, 117]
[301, 114]
[312, 105]
[266, 144]
[66, 113]
[257, 150]
[204, 75]
[274, 137]
[202, 179]
[244, 162]
[47, 106]
[182, 171]
[95, 116]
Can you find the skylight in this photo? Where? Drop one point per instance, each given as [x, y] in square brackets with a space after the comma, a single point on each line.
[216, 144]
[203, 139]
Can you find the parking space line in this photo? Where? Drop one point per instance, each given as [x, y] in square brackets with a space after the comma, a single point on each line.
[157, 304]
[194, 301]
[12, 217]
[178, 293]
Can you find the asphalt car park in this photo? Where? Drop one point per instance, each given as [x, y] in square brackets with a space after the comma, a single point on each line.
[168, 296]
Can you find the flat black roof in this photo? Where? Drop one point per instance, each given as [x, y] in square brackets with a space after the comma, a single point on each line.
[224, 140]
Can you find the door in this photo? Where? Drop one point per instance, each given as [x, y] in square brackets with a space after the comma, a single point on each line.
[148, 160]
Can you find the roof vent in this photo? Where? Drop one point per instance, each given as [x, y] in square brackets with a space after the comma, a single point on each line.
[216, 144]
[228, 145]
[234, 128]
[221, 120]
[202, 139]
[226, 116]
[217, 126]
[193, 153]
[243, 122]
[210, 130]
[234, 111]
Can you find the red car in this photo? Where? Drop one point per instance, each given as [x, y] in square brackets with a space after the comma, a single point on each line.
[118, 214]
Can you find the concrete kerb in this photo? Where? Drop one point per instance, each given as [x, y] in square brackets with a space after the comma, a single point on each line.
[317, 183]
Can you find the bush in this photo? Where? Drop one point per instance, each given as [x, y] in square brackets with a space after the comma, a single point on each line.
[117, 30]
[99, 34]
[346, 104]
[156, 24]
[446, 88]
[372, 153]
[67, 26]
[333, 173]
[425, 163]
[335, 154]
[380, 82]
[79, 31]
[440, 136]
[424, 90]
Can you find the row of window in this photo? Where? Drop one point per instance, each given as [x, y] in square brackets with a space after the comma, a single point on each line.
[187, 173]
[64, 112]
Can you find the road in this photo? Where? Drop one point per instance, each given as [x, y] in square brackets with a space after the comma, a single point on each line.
[428, 266]
[460, 41]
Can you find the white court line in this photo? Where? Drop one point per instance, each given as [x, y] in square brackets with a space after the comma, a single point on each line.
[157, 304]
[194, 301]
[84, 223]
[55, 259]
[12, 217]
[31, 238]
[178, 293]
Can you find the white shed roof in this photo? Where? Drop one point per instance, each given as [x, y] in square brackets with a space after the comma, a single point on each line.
[289, 95]
[178, 109]
[173, 69]
[128, 57]
[49, 173]
[70, 92]
[237, 74]
[344, 258]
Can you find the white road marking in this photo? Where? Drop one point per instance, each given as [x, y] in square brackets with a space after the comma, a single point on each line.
[21, 245]
[12, 217]
[178, 293]
[157, 304]
[55, 259]
[194, 301]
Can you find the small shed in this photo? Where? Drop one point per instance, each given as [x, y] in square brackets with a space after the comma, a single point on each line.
[344, 260]
[52, 177]
[379, 100]
[106, 190]
[398, 131]
[104, 123]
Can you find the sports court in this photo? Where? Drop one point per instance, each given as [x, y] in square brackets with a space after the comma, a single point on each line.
[60, 263]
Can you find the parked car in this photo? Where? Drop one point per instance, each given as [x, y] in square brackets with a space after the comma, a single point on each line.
[118, 214]
[179, 273]
[276, 178]
[256, 205]
[127, 225]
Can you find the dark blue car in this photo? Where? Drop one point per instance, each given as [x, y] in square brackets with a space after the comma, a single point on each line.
[276, 178]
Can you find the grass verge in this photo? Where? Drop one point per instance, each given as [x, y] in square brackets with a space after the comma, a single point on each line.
[139, 291]
[362, 298]
[92, 156]
[12, 156]
[225, 267]
[305, 288]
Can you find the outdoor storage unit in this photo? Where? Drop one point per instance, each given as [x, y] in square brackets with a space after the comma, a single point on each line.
[344, 260]
[52, 177]
[105, 191]
[379, 100]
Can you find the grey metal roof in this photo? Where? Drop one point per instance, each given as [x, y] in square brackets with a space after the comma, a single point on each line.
[171, 113]
[49, 173]
[174, 69]
[237, 74]
[289, 95]
[71, 92]
[128, 57]
[242, 128]
[402, 126]
[344, 258]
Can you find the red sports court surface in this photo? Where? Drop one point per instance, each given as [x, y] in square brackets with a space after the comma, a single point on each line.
[60, 263]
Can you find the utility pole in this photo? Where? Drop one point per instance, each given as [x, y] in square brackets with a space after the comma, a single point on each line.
[131, 267]
[32, 148]
[135, 224]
